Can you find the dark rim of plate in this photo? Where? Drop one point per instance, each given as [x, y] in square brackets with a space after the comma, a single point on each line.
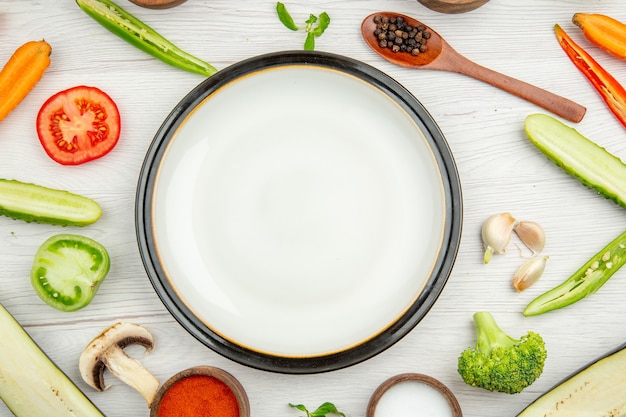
[376, 344]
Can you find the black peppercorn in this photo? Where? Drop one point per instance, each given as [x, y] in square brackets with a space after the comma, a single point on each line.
[395, 33]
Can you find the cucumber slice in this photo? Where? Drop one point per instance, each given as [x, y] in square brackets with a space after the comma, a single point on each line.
[30, 383]
[35, 203]
[590, 163]
[596, 390]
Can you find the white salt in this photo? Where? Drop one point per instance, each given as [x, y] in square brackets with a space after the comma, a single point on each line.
[412, 399]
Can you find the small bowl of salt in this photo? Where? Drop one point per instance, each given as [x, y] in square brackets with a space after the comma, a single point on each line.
[413, 394]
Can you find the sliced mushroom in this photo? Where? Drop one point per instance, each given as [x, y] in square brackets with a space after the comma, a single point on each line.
[107, 351]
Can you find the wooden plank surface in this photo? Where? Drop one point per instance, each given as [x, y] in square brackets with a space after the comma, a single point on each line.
[499, 169]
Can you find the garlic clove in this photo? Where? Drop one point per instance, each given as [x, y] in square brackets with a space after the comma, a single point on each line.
[529, 273]
[496, 234]
[532, 235]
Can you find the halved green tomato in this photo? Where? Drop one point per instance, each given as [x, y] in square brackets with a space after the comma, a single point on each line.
[68, 270]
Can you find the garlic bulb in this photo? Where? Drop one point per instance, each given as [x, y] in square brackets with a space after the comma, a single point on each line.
[496, 234]
[529, 273]
[532, 235]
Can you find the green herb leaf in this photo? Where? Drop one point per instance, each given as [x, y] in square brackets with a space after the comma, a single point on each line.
[309, 27]
[309, 43]
[285, 17]
[300, 407]
[322, 410]
[310, 22]
[326, 408]
[324, 21]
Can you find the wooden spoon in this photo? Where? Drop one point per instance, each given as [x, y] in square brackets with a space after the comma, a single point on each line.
[441, 56]
[157, 4]
[453, 6]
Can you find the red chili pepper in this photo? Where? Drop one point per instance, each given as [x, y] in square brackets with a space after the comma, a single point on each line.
[603, 31]
[612, 92]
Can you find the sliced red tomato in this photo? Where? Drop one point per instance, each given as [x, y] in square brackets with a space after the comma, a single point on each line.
[78, 125]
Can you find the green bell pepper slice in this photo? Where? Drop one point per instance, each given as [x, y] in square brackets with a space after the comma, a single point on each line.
[68, 270]
[136, 32]
[588, 279]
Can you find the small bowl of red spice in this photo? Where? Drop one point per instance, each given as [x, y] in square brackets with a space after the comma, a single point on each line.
[201, 391]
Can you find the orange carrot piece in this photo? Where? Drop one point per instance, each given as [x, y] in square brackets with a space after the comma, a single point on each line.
[603, 31]
[21, 73]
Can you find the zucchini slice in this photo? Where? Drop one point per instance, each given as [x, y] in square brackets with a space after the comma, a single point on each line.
[30, 383]
[590, 163]
[596, 390]
[35, 203]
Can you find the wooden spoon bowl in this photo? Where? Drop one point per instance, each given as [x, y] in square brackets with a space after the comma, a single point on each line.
[423, 60]
[453, 6]
[441, 56]
[157, 4]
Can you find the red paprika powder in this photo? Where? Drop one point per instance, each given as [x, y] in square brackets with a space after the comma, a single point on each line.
[199, 396]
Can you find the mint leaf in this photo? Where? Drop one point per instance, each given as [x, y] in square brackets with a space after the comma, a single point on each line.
[322, 410]
[309, 43]
[312, 30]
[285, 17]
[309, 22]
[324, 21]
[326, 408]
[300, 407]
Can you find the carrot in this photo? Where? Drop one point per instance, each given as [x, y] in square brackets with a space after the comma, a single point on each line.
[603, 31]
[21, 72]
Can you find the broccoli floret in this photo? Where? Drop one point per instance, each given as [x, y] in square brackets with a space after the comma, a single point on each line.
[499, 362]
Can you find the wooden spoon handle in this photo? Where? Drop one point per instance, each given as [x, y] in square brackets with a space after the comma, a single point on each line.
[569, 110]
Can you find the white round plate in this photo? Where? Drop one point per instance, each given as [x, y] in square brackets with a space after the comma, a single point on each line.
[299, 212]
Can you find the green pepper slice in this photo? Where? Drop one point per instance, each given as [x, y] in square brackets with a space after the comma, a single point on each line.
[136, 32]
[587, 280]
[68, 270]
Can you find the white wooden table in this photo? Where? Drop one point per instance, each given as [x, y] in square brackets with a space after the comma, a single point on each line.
[499, 169]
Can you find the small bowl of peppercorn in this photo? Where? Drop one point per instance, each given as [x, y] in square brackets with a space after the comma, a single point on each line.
[201, 391]
[453, 6]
